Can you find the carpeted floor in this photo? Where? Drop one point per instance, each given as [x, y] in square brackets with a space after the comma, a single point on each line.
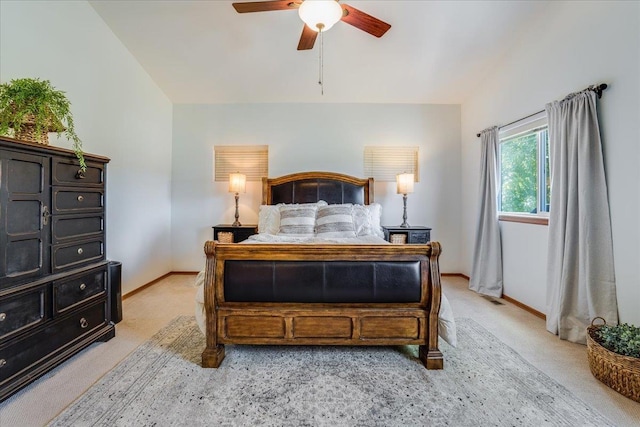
[484, 383]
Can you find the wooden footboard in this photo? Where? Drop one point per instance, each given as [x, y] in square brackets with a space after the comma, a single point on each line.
[323, 323]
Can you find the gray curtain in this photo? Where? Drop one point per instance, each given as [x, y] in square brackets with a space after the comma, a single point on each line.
[486, 271]
[580, 270]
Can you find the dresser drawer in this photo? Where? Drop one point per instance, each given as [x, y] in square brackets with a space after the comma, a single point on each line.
[21, 311]
[72, 291]
[77, 254]
[20, 355]
[419, 237]
[73, 200]
[67, 172]
[66, 227]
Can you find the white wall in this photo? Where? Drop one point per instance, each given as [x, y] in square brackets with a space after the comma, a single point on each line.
[119, 112]
[522, 243]
[574, 45]
[306, 137]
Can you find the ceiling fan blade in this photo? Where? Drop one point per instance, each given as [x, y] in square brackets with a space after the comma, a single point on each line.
[363, 21]
[265, 6]
[307, 39]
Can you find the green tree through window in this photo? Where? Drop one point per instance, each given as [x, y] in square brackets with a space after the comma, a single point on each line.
[520, 174]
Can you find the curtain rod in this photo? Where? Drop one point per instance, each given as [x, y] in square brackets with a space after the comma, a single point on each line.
[596, 88]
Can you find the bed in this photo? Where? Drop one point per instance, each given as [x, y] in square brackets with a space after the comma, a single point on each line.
[317, 292]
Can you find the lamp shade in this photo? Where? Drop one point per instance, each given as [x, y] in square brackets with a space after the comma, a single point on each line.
[320, 14]
[405, 183]
[237, 183]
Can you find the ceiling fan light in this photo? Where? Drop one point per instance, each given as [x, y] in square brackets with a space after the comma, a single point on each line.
[320, 14]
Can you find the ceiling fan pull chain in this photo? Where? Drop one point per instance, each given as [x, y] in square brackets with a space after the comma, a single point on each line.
[321, 70]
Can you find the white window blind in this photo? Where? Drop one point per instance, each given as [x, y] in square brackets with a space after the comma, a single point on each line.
[383, 163]
[250, 160]
[526, 125]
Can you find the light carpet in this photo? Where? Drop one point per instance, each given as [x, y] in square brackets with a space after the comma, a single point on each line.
[484, 383]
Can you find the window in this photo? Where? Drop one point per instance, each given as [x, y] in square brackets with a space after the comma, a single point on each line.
[250, 160]
[524, 167]
[383, 163]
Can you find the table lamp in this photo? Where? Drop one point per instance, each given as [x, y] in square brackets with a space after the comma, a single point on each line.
[405, 186]
[237, 184]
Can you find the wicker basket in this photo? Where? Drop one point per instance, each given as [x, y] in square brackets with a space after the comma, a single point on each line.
[621, 373]
[398, 239]
[27, 131]
[225, 237]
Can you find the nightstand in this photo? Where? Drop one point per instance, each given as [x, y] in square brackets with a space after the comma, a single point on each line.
[412, 235]
[240, 233]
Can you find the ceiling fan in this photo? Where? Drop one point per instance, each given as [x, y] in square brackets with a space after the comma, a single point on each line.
[319, 16]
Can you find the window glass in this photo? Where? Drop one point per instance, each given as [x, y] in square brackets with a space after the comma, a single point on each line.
[524, 172]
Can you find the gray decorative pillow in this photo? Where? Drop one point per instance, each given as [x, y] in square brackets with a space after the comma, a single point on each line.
[298, 220]
[335, 221]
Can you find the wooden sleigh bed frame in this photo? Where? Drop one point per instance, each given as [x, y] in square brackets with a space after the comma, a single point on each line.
[383, 319]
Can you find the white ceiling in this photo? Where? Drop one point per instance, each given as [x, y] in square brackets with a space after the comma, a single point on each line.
[205, 52]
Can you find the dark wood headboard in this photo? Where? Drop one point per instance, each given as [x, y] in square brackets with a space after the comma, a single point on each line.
[309, 187]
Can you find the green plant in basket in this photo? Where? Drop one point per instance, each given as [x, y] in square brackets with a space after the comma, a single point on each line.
[622, 339]
[31, 108]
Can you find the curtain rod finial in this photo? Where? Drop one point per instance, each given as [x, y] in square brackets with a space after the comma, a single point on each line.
[598, 89]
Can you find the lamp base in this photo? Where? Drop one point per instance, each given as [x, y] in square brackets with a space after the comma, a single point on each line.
[404, 224]
[237, 215]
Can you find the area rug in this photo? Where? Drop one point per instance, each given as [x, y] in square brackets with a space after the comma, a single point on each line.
[484, 383]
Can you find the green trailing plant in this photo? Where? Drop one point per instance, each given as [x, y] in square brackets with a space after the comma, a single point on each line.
[622, 339]
[34, 102]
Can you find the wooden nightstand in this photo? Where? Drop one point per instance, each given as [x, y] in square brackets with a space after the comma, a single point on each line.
[414, 235]
[239, 233]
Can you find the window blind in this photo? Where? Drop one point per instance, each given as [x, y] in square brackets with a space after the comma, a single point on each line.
[520, 127]
[250, 160]
[383, 163]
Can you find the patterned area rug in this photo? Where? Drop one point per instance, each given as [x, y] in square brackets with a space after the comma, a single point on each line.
[484, 383]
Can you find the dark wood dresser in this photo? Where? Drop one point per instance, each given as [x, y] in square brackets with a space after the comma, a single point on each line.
[53, 272]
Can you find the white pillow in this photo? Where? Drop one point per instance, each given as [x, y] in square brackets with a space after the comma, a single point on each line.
[298, 220]
[335, 221]
[269, 219]
[366, 219]
[446, 323]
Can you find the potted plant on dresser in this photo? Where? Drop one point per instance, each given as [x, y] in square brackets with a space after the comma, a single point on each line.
[31, 108]
[614, 356]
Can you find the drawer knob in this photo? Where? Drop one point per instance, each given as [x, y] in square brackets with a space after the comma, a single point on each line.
[80, 198]
[80, 251]
[83, 286]
[3, 316]
[84, 323]
[80, 174]
[2, 362]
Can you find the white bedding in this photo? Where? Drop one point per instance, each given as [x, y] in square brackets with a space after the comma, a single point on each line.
[446, 322]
